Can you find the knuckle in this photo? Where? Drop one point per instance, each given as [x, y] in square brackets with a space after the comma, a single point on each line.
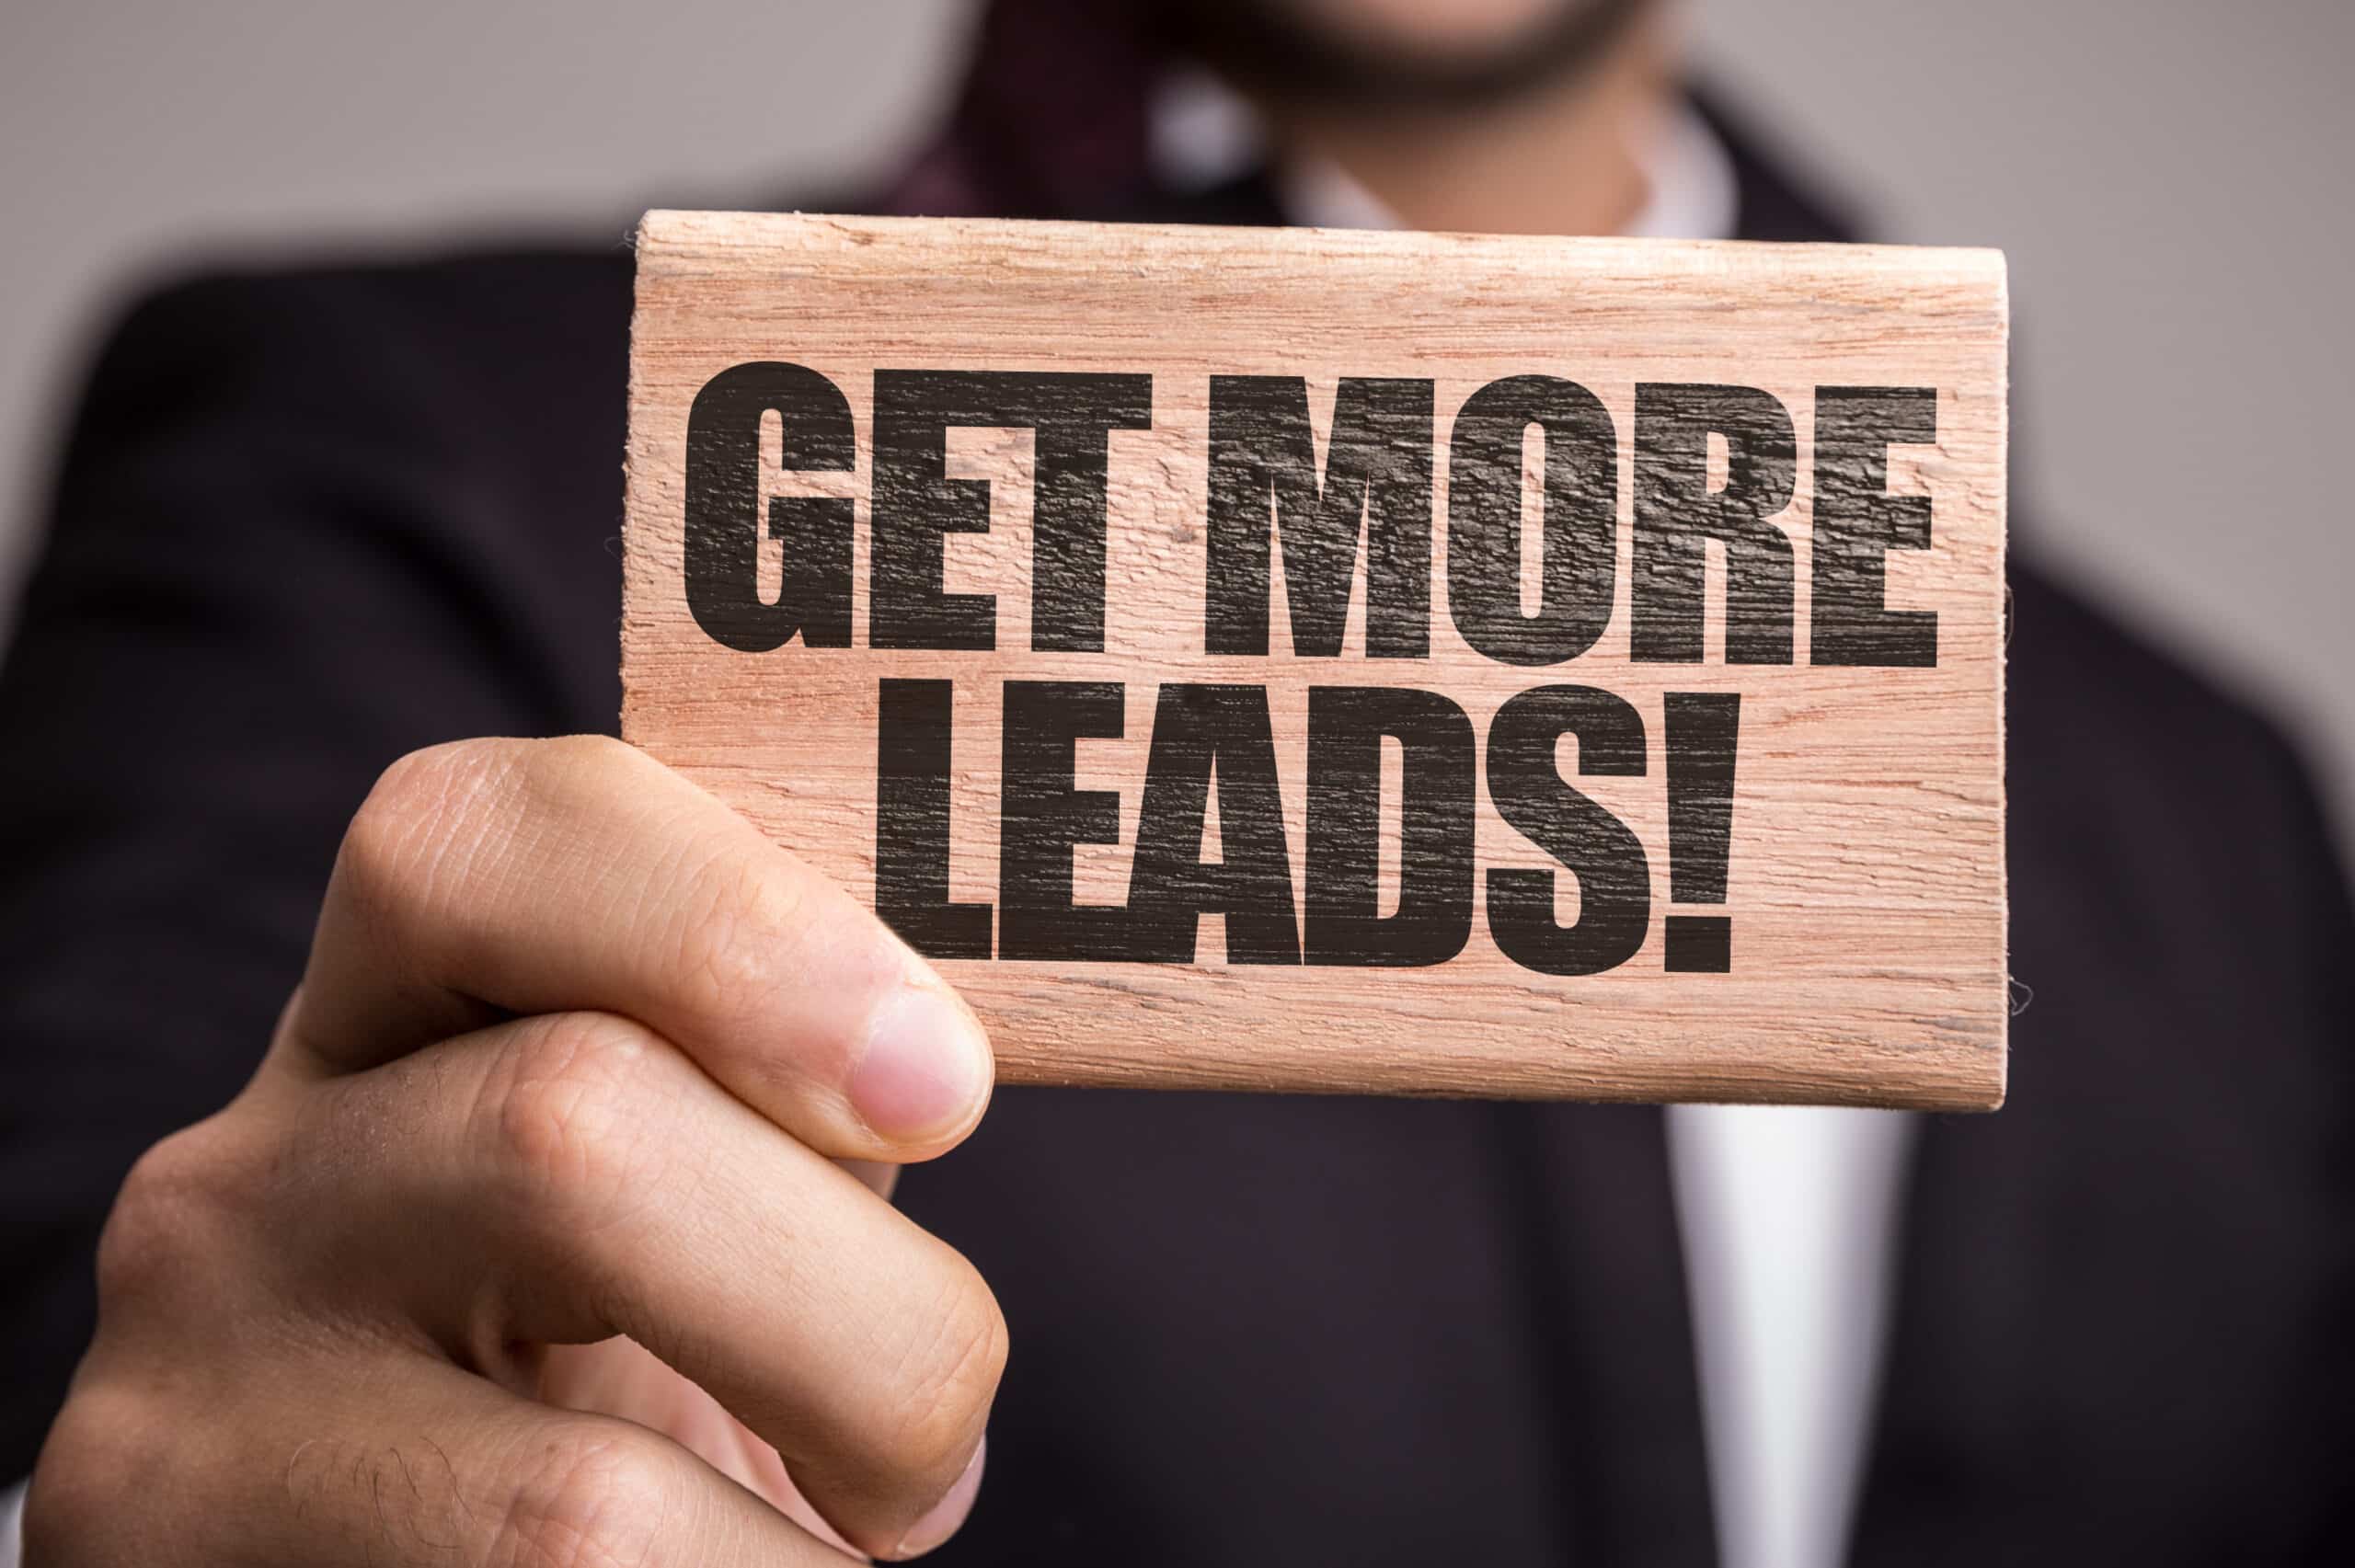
[754, 937]
[567, 1112]
[163, 1219]
[736, 936]
[950, 1377]
[441, 816]
[593, 1496]
[75, 1503]
[408, 815]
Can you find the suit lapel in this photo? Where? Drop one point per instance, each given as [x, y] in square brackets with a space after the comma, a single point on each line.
[1606, 1275]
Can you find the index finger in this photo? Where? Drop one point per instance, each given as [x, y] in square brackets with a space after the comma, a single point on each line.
[520, 876]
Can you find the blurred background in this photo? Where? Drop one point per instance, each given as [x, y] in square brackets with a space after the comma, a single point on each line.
[2169, 177]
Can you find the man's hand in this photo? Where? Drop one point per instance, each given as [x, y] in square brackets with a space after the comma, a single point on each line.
[567, 1075]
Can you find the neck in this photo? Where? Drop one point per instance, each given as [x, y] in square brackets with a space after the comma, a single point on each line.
[1565, 157]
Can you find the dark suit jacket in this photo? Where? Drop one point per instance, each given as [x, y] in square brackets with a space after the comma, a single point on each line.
[312, 519]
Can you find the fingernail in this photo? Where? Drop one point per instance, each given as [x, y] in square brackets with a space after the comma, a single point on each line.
[925, 1071]
[941, 1520]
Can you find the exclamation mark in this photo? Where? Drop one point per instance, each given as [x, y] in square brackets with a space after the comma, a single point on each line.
[1702, 730]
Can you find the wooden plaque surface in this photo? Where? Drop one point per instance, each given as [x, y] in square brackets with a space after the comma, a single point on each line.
[962, 556]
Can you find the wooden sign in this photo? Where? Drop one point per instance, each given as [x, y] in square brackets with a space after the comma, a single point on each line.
[1300, 659]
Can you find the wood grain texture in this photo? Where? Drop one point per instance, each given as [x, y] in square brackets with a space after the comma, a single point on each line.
[1865, 881]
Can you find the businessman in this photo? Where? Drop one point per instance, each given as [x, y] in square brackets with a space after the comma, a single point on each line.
[511, 1131]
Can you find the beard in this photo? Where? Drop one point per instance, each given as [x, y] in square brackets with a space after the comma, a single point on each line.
[1293, 49]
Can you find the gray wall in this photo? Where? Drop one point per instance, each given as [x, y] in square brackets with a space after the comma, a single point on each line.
[2167, 175]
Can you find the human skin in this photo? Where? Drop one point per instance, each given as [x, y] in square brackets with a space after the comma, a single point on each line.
[1419, 29]
[555, 1224]
[528, 1237]
[1486, 116]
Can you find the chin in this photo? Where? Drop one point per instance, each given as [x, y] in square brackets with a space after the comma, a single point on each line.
[1401, 52]
[1457, 31]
